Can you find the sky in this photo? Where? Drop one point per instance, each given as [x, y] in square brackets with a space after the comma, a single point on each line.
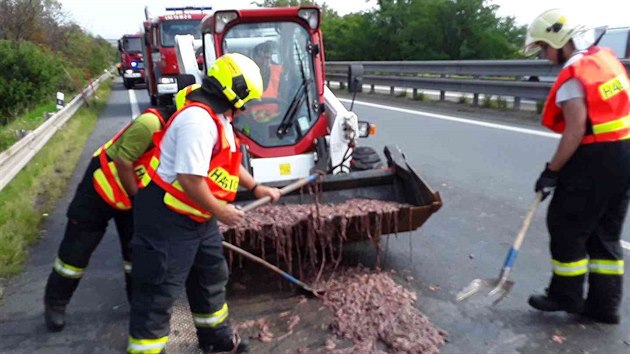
[113, 18]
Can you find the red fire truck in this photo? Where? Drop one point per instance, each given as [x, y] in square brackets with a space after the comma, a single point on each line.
[131, 64]
[159, 49]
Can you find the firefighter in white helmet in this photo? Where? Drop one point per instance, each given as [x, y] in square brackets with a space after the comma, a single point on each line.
[196, 170]
[589, 173]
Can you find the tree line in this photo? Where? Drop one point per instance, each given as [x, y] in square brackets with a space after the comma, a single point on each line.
[42, 52]
[418, 30]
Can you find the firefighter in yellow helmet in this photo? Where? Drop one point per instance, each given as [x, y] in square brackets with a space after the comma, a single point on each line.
[589, 174]
[196, 170]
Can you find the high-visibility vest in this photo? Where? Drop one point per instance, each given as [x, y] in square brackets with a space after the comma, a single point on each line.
[275, 71]
[266, 111]
[223, 171]
[180, 96]
[606, 87]
[106, 180]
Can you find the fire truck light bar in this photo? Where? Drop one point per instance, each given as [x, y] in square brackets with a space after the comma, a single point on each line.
[200, 8]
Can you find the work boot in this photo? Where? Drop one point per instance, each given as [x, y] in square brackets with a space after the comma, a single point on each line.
[602, 316]
[228, 346]
[548, 304]
[55, 317]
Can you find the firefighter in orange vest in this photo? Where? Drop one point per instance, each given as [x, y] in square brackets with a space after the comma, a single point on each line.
[271, 74]
[111, 180]
[589, 174]
[195, 172]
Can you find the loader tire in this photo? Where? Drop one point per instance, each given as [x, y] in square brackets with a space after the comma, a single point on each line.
[365, 158]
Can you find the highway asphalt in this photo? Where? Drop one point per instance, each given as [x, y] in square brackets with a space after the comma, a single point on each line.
[483, 163]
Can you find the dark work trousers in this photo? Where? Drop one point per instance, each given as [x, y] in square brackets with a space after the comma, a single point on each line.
[88, 216]
[173, 252]
[585, 220]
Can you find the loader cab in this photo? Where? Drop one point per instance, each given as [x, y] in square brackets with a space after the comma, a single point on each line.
[286, 43]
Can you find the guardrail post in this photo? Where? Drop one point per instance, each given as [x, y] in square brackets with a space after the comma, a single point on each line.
[517, 103]
[342, 85]
[391, 90]
[475, 101]
[371, 88]
[442, 93]
[414, 95]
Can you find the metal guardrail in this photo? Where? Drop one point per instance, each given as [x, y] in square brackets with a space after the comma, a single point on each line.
[19, 154]
[488, 77]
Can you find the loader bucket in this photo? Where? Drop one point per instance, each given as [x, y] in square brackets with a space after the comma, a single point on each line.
[398, 182]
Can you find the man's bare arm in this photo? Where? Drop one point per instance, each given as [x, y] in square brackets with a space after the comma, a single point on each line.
[127, 176]
[198, 191]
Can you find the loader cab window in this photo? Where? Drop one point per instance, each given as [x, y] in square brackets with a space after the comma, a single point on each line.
[290, 94]
[170, 29]
[132, 44]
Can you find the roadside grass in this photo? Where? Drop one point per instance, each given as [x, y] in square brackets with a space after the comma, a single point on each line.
[28, 121]
[27, 200]
[498, 103]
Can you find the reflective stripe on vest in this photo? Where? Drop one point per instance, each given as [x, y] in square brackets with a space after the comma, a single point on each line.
[105, 179]
[66, 270]
[146, 346]
[211, 319]
[606, 266]
[570, 269]
[607, 95]
[223, 172]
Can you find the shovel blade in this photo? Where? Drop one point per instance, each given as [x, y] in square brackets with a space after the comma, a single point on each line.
[501, 290]
[492, 287]
[475, 287]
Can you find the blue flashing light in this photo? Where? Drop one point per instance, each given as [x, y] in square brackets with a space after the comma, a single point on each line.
[134, 64]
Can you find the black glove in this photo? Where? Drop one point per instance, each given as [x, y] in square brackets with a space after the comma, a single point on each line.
[546, 183]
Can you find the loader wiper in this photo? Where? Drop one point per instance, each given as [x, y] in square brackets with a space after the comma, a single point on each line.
[291, 113]
[298, 100]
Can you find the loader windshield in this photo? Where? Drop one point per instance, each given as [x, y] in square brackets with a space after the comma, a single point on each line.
[281, 50]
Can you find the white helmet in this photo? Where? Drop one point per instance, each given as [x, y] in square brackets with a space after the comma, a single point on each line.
[554, 27]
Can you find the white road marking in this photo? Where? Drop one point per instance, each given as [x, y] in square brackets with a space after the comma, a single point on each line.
[459, 120]
[133, 101]
[624, 244]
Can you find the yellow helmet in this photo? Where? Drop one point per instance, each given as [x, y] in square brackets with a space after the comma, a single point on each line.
[554, 27]
[180, 97]
[238, 78]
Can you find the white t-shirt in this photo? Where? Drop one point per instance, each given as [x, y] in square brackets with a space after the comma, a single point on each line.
[188, 143]
[572, 88]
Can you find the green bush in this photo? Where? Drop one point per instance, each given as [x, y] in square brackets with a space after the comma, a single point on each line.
[32, 75]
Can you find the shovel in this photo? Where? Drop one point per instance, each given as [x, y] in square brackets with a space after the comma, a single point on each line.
[307, 289]
[502, 286]
[262, 201]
